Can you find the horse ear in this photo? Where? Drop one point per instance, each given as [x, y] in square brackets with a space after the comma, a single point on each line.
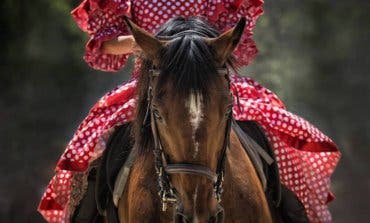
[150, 46]
[225, 44]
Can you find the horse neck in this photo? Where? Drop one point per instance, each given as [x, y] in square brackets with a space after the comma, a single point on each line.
[243, 187]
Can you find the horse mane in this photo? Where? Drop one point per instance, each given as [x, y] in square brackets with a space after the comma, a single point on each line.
[187, 63]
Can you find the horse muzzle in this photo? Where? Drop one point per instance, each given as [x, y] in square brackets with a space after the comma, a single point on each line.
[219, 217]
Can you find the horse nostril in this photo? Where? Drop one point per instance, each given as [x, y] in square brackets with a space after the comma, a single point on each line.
[212, 219]
[219, 217]
[181, 218]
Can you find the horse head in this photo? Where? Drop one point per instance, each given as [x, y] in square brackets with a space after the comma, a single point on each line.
[185, 112]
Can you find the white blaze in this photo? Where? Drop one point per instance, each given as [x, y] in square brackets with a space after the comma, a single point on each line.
[195, 112]
[195, 196]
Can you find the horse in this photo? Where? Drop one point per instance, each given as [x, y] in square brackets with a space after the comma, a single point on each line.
[188, 163]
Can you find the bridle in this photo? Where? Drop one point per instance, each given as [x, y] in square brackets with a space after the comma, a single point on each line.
[164, 169]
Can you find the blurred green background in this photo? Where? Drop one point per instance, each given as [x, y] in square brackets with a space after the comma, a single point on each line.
[313, 53]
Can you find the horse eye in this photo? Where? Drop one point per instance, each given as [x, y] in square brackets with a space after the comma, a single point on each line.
[229, 109]
[157, 115]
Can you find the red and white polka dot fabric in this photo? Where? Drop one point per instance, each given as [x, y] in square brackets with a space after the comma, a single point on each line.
[102, 20]
[306, 157]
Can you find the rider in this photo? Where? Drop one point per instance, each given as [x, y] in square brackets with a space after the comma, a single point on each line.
[306, 157]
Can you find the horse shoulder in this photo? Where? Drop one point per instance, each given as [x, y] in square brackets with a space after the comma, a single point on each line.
[139, 202]
[244, 196]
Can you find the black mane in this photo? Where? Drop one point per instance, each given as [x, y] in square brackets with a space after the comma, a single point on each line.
[187, 63]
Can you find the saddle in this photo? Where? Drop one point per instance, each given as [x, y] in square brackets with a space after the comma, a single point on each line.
[106, 188]
[256, 145]
[97, 201]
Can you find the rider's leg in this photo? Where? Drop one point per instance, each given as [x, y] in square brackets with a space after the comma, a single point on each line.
[292, 210]
[86, 211]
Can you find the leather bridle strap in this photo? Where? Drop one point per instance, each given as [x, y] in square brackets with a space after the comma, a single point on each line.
[218, 186]
[194, 169]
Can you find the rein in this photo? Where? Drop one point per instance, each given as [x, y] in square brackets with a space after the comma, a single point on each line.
[164, 169]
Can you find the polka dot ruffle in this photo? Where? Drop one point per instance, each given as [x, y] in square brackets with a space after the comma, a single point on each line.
[102, 20]
[224, 14]
[54, 204]
[306, 157]
[88, 142]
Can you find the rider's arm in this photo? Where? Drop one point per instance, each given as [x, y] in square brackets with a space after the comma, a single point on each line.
[120, 45]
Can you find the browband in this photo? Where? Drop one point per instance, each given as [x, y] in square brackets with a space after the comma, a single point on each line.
[221, 71]
[181, 34]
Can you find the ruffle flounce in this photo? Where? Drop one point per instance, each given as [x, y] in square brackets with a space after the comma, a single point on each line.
[225, 14]
[102, 20]
[306, 157]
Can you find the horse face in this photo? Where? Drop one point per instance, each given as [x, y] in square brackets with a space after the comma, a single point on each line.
[192, 131]
[191, 121]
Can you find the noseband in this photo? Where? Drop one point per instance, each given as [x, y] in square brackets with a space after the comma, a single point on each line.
[164, 169]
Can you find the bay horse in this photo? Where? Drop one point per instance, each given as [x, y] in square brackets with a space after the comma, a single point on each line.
[189, 165]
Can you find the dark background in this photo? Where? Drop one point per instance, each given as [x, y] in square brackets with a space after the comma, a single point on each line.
[313, 53]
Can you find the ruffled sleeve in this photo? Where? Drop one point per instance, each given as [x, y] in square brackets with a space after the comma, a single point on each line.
[102, 20]
[224, 14]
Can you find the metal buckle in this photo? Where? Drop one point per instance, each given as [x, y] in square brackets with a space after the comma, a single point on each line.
[223, 71]
[218, 187]
[168, 199]
[154, 72]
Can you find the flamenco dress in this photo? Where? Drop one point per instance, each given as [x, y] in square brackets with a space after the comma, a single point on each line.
[306, 157]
